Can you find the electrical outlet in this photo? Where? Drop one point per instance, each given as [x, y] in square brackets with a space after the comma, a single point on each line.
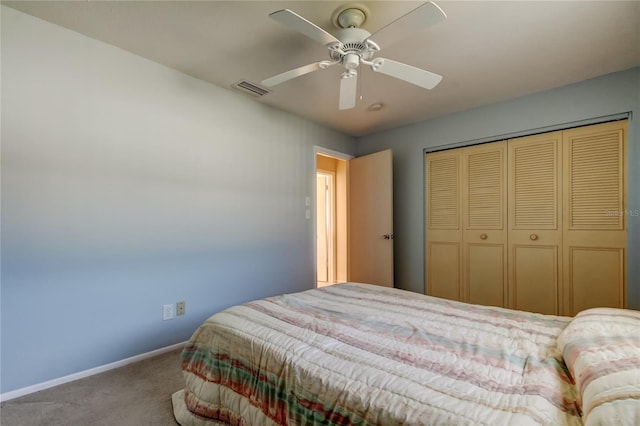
[167, 312]
[181, 309]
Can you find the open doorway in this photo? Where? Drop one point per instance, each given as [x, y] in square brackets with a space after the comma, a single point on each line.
[325, 223]
[359, 240]
[331, 219]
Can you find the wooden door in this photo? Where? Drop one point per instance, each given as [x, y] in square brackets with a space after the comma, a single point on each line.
[594, 232]
[371, 219]
[535, 223]
[484, 201]
[443, 178]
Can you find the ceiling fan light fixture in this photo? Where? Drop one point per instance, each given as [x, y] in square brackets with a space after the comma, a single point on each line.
[351, 61]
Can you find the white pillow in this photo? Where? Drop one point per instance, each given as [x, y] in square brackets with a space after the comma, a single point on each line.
[601, 348]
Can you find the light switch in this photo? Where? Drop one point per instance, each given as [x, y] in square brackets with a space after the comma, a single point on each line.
[307, 201]
[308, 214]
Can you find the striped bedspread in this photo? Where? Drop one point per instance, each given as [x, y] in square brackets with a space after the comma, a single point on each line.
[357, 354]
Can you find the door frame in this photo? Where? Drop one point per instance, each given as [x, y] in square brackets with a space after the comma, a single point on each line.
[329, 179]
[314, 216]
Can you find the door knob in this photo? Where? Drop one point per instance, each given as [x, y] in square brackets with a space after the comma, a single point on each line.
[483, 236]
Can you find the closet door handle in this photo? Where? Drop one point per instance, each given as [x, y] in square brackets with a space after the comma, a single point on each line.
[533, 237]
[483, 236]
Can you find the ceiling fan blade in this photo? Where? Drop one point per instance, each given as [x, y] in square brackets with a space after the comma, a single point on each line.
[348, 89]
[419, 18]
[291, 74]
[408, 73]
[294, 21]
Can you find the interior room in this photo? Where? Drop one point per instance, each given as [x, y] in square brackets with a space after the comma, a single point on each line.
[159, 166]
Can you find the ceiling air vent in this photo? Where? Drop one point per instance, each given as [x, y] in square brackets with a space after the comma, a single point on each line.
[250, 88]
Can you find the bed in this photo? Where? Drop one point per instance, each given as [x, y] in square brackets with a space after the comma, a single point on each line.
[358, 354]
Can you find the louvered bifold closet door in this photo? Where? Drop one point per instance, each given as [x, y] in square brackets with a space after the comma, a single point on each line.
[484, 200]
[443, 224]
[594, 216]
[535, 223]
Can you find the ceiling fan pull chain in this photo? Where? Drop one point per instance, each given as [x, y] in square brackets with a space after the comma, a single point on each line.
[359, 90]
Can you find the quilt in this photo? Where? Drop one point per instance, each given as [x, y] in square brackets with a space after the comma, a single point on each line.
[359, 354]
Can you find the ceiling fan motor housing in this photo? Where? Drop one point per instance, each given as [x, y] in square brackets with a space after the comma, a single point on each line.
[353, 44]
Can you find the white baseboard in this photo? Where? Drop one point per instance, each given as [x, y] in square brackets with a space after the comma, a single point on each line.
[86, 373]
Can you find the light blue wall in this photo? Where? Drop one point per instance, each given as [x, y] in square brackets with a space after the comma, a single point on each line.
[603, 96]
[127, 185]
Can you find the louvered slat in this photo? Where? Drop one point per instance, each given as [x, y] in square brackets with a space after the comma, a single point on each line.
[443, 193]
[595, 184]
[535, 183]
[485, 190]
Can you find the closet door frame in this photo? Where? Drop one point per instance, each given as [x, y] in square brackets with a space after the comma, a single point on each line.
[564, 298]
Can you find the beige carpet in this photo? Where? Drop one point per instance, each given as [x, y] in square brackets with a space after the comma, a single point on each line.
[134, 395]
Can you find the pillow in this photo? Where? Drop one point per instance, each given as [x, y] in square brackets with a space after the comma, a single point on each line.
[601, 348]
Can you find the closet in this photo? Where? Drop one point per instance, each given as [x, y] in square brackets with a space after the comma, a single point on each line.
[535, 223]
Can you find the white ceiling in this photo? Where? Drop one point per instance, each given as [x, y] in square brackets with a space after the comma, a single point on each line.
[487, 51]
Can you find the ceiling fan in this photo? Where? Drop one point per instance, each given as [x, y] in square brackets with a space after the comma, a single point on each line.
[353, 46]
